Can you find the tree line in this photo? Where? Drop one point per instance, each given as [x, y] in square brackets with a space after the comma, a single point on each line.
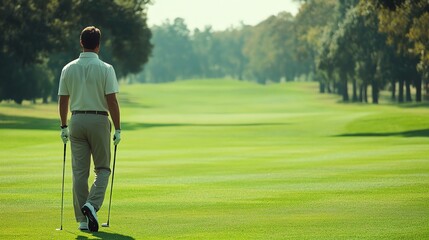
[354, 48]
[39, 37]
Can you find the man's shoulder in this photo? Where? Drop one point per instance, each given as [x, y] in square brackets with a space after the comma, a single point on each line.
[105, 64]
[70, 64]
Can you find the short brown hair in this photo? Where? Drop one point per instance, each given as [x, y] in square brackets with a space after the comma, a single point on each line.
[90, 37]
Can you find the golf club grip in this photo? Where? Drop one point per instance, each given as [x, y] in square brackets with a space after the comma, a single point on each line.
[65, 149]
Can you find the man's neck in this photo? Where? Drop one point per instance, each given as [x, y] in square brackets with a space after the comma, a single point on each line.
[90, 50]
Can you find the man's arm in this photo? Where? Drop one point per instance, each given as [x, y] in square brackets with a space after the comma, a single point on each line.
[63, 108]
[115, 114]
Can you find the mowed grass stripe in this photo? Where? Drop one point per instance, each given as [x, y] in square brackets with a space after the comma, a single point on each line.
[222, 159]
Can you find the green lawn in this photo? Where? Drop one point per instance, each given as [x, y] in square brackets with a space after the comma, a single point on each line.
[222, 159]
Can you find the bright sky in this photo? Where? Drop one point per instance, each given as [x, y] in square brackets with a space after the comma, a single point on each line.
[220, 14]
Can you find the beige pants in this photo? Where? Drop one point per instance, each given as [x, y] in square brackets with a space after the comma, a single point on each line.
[89, 135]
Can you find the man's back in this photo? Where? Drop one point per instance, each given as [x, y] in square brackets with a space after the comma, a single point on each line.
[87, 80]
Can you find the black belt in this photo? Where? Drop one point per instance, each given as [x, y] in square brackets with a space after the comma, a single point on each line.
[91, 112]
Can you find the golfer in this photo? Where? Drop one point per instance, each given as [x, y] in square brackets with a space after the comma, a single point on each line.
[90, 86]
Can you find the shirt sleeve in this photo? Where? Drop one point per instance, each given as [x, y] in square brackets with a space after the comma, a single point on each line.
[111, 82]
[62, 89]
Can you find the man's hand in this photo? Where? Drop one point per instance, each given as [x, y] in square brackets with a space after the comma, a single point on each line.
[65, 134]
[117, 137]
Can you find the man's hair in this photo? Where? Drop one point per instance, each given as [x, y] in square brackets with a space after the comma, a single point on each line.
[90, 37]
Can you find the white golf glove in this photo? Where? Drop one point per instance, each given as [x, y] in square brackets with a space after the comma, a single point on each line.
[117, 137]
[65, 134]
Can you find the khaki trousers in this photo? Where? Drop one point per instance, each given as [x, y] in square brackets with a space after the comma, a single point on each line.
[89, 135]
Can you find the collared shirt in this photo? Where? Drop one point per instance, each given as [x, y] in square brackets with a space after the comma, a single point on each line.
[87, 80]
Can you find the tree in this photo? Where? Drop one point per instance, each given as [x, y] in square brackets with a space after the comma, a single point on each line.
[369, 46]
[172, 52]
[232, 58]
[41, 36]
[29, 31]
[269, 49]
[310, 26]
[124, 28]
[405, 22]
[324, 62]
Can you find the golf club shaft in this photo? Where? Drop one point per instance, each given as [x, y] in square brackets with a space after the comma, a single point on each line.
[111, 186]
[62, 188]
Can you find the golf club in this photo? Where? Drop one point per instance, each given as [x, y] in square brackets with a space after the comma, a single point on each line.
[62, 191]
[111, 190]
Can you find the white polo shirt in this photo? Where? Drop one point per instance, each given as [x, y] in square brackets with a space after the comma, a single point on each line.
[87, 80]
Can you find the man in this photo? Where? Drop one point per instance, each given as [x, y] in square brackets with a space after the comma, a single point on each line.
[90, 86]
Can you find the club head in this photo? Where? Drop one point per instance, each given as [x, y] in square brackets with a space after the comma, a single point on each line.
[105, 225]
[59, 229]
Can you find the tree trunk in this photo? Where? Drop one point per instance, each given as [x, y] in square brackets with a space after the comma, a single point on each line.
[344, 88]
[393, 90]
[401, 91]
[418, 89]
[375, 92]
[240, 69]
[408, 91]
[354, 98]
[365, 93]
[345, 91]
[360, 97]
[321, 86]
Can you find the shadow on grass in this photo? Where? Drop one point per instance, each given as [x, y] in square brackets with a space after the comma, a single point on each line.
[412, 133]
[134, 126]
[18, 122]
[106, 235]
[126, 101]
[413, 105]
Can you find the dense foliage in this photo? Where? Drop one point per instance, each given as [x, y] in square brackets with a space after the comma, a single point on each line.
[39, 37]
[353, 48]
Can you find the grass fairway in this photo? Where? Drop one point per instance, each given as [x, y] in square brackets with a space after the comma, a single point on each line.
[221, 159]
